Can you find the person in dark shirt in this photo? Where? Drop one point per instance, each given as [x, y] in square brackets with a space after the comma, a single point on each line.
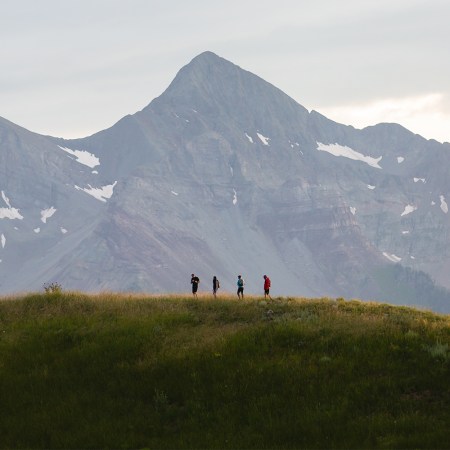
[216, 285]
[240, 285]
[195, 282]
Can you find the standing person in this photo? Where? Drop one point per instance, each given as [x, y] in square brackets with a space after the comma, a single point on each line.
[240, 285]
[195, 282]
[267, 287]
[216, 285]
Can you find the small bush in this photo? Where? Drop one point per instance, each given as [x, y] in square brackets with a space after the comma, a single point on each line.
[52, 288]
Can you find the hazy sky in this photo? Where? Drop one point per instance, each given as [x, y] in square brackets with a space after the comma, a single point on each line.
[70, 68]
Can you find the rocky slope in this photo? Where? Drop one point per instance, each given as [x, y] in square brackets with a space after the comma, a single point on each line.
[224, 174]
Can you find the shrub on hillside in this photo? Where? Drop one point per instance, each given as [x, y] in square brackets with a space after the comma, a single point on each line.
[52, 288]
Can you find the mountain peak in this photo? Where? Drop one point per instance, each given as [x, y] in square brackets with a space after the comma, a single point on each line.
[225, 172]
[207, 57]
[203, 70]
[218, 84]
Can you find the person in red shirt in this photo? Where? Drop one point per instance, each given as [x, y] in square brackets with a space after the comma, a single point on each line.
[267, 287]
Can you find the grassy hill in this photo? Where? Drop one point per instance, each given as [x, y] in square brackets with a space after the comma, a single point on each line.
[118, 371]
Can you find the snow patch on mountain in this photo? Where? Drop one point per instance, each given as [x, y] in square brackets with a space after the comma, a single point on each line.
[234, 197]
[3, 240]
[371, 187]
[9, 212]
[347, 152]
[353, 210]
[63, 230]
[416, 180]
[6, 199]
[83, 157]
[47, 213]
[408, 210]
[392, 257]
[102, 194]
[443, 205]
[249, 138]
[181, 118]
[37, 230]
[400, 159]
[174, 193]
[265, 140]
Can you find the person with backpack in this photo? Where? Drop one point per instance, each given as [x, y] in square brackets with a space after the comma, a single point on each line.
[195, 282]
[216, 285]
[267, 287]
[240, 284]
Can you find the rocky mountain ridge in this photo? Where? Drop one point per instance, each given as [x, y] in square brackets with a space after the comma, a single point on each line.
[224, 174]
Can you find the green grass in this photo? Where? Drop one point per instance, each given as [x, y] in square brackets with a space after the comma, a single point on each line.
[118, 371]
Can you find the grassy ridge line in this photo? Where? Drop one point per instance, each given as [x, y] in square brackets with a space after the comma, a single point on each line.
[115, 370]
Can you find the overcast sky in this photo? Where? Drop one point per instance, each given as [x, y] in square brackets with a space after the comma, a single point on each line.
[71, 68]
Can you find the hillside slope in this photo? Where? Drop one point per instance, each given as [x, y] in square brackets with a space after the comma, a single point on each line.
[116, 371]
